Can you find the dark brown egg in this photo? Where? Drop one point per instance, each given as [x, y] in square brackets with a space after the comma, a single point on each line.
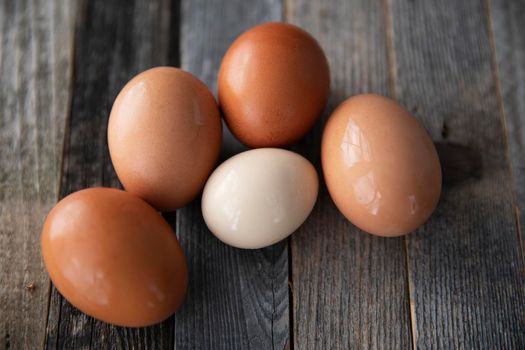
[114, 257]
[164, 136]
[273, 85]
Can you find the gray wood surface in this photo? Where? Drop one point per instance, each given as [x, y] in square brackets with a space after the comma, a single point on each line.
[36, 56]
[507, 19]
[114, 41]
[237, 299]
[349, 288]
[465, 272]
[459, 66]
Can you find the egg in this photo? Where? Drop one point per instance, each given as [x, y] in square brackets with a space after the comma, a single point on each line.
[164, 136]
[259, 197]
[114, 257]
[380, 166]
[273, 85]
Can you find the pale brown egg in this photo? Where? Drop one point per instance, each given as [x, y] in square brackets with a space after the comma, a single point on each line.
[380, 166]
[273, 85]
[114, 257]
[164, 136]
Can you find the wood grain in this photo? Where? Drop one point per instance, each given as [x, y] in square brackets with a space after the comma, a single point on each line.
[459, 66]
[237, 299]
[465, 271]
[509, 44]
[349, 288]
[114, 41]
[36, 55]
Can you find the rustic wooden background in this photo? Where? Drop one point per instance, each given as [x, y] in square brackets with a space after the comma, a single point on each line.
[457, 283]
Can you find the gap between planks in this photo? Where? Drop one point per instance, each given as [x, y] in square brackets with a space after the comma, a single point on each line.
[77, 11]
[392, 79]
[503, 115]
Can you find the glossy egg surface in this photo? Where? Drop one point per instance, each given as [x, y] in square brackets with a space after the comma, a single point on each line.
[273, 85]
[164, 136]
[114, 257]
[380, 166]
[259, 197]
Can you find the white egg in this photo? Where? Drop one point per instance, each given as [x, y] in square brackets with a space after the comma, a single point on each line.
[259, 197]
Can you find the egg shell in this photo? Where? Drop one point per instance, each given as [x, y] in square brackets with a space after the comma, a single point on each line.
[164, 136]
[380, 166]
[114, 257]
[259, 197]
[273, 85]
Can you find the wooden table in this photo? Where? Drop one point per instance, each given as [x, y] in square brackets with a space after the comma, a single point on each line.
[457, 283]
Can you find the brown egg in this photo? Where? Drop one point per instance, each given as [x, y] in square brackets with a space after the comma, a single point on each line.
[380, 166]
[273, 85]
[114, 257]
[164, 136]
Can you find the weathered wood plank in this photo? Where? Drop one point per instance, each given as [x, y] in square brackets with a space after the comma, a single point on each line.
[237, 299]
[465, 270]
[36, 55]
[509, 44]
[349, 288]
[114, 41]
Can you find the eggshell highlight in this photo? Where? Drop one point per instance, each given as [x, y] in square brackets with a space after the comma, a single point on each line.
[380, 166]
[259, 197]
[114, 257]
